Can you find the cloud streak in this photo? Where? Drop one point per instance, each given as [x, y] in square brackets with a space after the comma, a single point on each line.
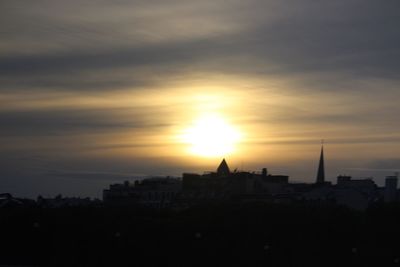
[328, 39]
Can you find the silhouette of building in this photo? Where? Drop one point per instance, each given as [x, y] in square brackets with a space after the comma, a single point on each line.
[155, 192]
[356, 193]
[321, 168]
[223, 168]
[7, 200]
[341, 179]
[226, 184]
[390, 193]
[60, 202]
[353, 193]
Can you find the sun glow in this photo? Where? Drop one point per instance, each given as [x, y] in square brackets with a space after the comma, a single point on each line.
[211, 136]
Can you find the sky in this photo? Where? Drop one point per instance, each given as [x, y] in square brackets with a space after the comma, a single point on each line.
[98, 92]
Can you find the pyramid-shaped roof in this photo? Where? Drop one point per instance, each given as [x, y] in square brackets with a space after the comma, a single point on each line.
[223, 168]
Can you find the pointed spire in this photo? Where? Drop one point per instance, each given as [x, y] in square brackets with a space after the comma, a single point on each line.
[223, 168]
[321, 167]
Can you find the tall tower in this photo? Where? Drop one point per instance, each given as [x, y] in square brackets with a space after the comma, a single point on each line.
[321, 167]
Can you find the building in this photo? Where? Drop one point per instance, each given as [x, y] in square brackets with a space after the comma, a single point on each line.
[9, 201]
[390, 192]
[62, 202]
[356, 194]
[224, 184]
[155, 192]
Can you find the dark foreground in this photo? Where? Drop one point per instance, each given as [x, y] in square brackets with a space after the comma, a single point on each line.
[210, 235]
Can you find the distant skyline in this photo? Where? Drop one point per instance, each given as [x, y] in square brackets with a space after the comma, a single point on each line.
[96, 92]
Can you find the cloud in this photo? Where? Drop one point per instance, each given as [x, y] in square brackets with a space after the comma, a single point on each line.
[390, 164]
[72, 121]
[319, 41]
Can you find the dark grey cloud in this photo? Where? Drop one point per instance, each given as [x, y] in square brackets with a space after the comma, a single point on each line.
[77, 61]
[339, 141]
[392, 164]
[76, 121]
[353, 38]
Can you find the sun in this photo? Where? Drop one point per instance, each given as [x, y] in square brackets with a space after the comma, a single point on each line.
[211, 136]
